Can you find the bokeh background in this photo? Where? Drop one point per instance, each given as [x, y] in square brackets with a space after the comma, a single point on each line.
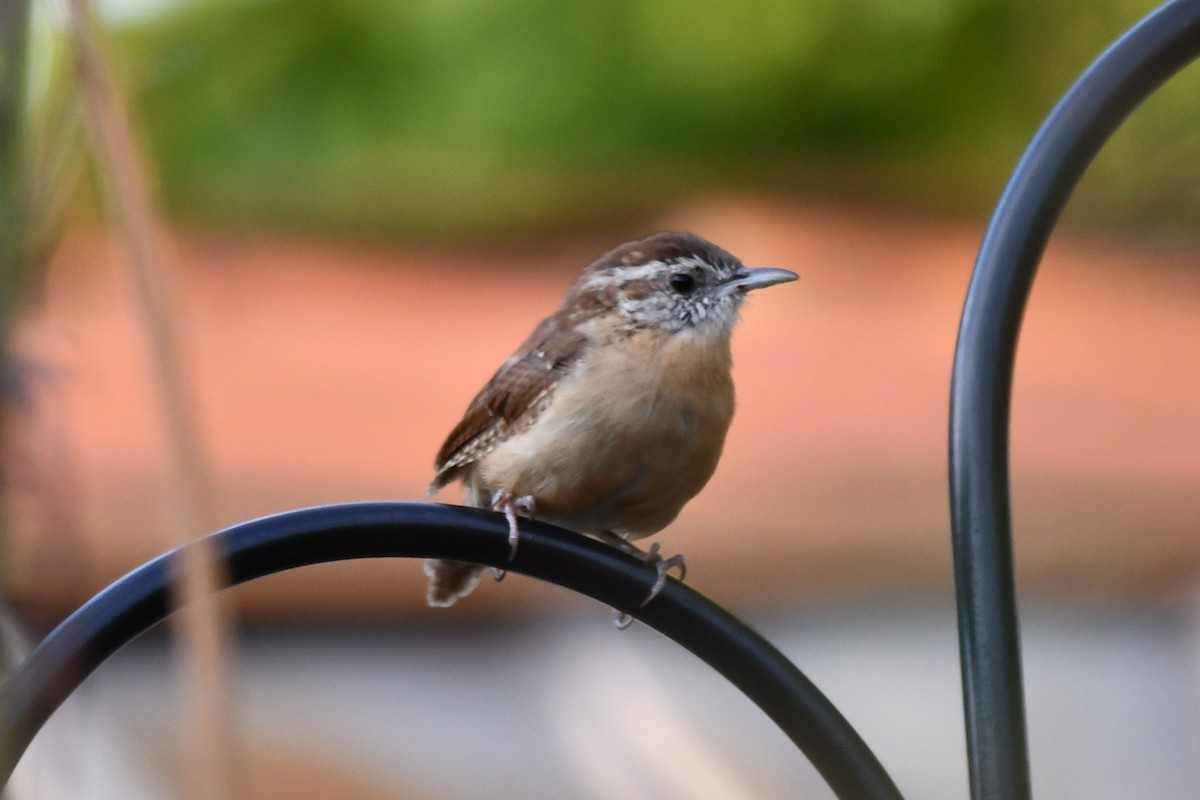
[363, 208]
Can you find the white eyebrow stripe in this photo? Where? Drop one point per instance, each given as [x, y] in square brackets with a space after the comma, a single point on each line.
[615, 276]
[691, 262]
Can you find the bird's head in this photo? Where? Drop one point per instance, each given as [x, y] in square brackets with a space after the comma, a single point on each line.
[673, 282]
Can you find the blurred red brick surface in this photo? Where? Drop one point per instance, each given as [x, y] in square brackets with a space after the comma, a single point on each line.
[327, 372]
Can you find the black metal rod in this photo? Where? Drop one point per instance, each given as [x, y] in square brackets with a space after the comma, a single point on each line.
[1119, 80]
[138, 601]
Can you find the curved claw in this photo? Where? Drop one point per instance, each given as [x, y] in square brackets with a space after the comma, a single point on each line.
[663, 567]
[621, 620]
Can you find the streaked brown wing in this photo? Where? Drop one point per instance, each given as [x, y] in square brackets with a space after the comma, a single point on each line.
[513, 398]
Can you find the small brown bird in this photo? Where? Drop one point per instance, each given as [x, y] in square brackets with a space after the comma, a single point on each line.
[613, 413]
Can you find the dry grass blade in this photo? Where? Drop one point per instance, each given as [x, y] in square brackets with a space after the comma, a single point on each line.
[128, 202]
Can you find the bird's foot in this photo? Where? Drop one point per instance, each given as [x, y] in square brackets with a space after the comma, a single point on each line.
[663, 566]
[651, 558]
[505, 501]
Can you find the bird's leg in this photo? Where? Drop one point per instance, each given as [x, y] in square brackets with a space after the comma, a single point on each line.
[651, 558]
[510, 504]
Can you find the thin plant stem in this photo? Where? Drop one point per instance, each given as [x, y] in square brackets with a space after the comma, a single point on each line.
[130, 206]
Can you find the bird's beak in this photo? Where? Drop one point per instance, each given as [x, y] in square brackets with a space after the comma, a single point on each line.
[747, 278]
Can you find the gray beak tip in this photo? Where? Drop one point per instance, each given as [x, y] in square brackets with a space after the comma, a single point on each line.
[748, 278]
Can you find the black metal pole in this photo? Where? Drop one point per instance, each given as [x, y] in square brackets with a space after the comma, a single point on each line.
[1120, 79]
[138, 601]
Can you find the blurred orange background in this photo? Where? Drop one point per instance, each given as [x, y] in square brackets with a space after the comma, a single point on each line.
[329, 372]
[366, 206]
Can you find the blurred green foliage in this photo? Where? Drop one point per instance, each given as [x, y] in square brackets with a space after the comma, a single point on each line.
[14, 27]
[474, 118]
[40, 158]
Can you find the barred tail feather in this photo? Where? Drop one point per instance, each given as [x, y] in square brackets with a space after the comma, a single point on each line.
[449, 581]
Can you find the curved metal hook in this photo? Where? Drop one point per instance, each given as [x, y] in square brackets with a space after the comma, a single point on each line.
[138, 601]
[1119, 80]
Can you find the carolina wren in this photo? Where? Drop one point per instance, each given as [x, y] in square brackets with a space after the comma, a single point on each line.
[613, 413]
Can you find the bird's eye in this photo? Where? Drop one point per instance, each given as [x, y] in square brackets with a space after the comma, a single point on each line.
[682, 283]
